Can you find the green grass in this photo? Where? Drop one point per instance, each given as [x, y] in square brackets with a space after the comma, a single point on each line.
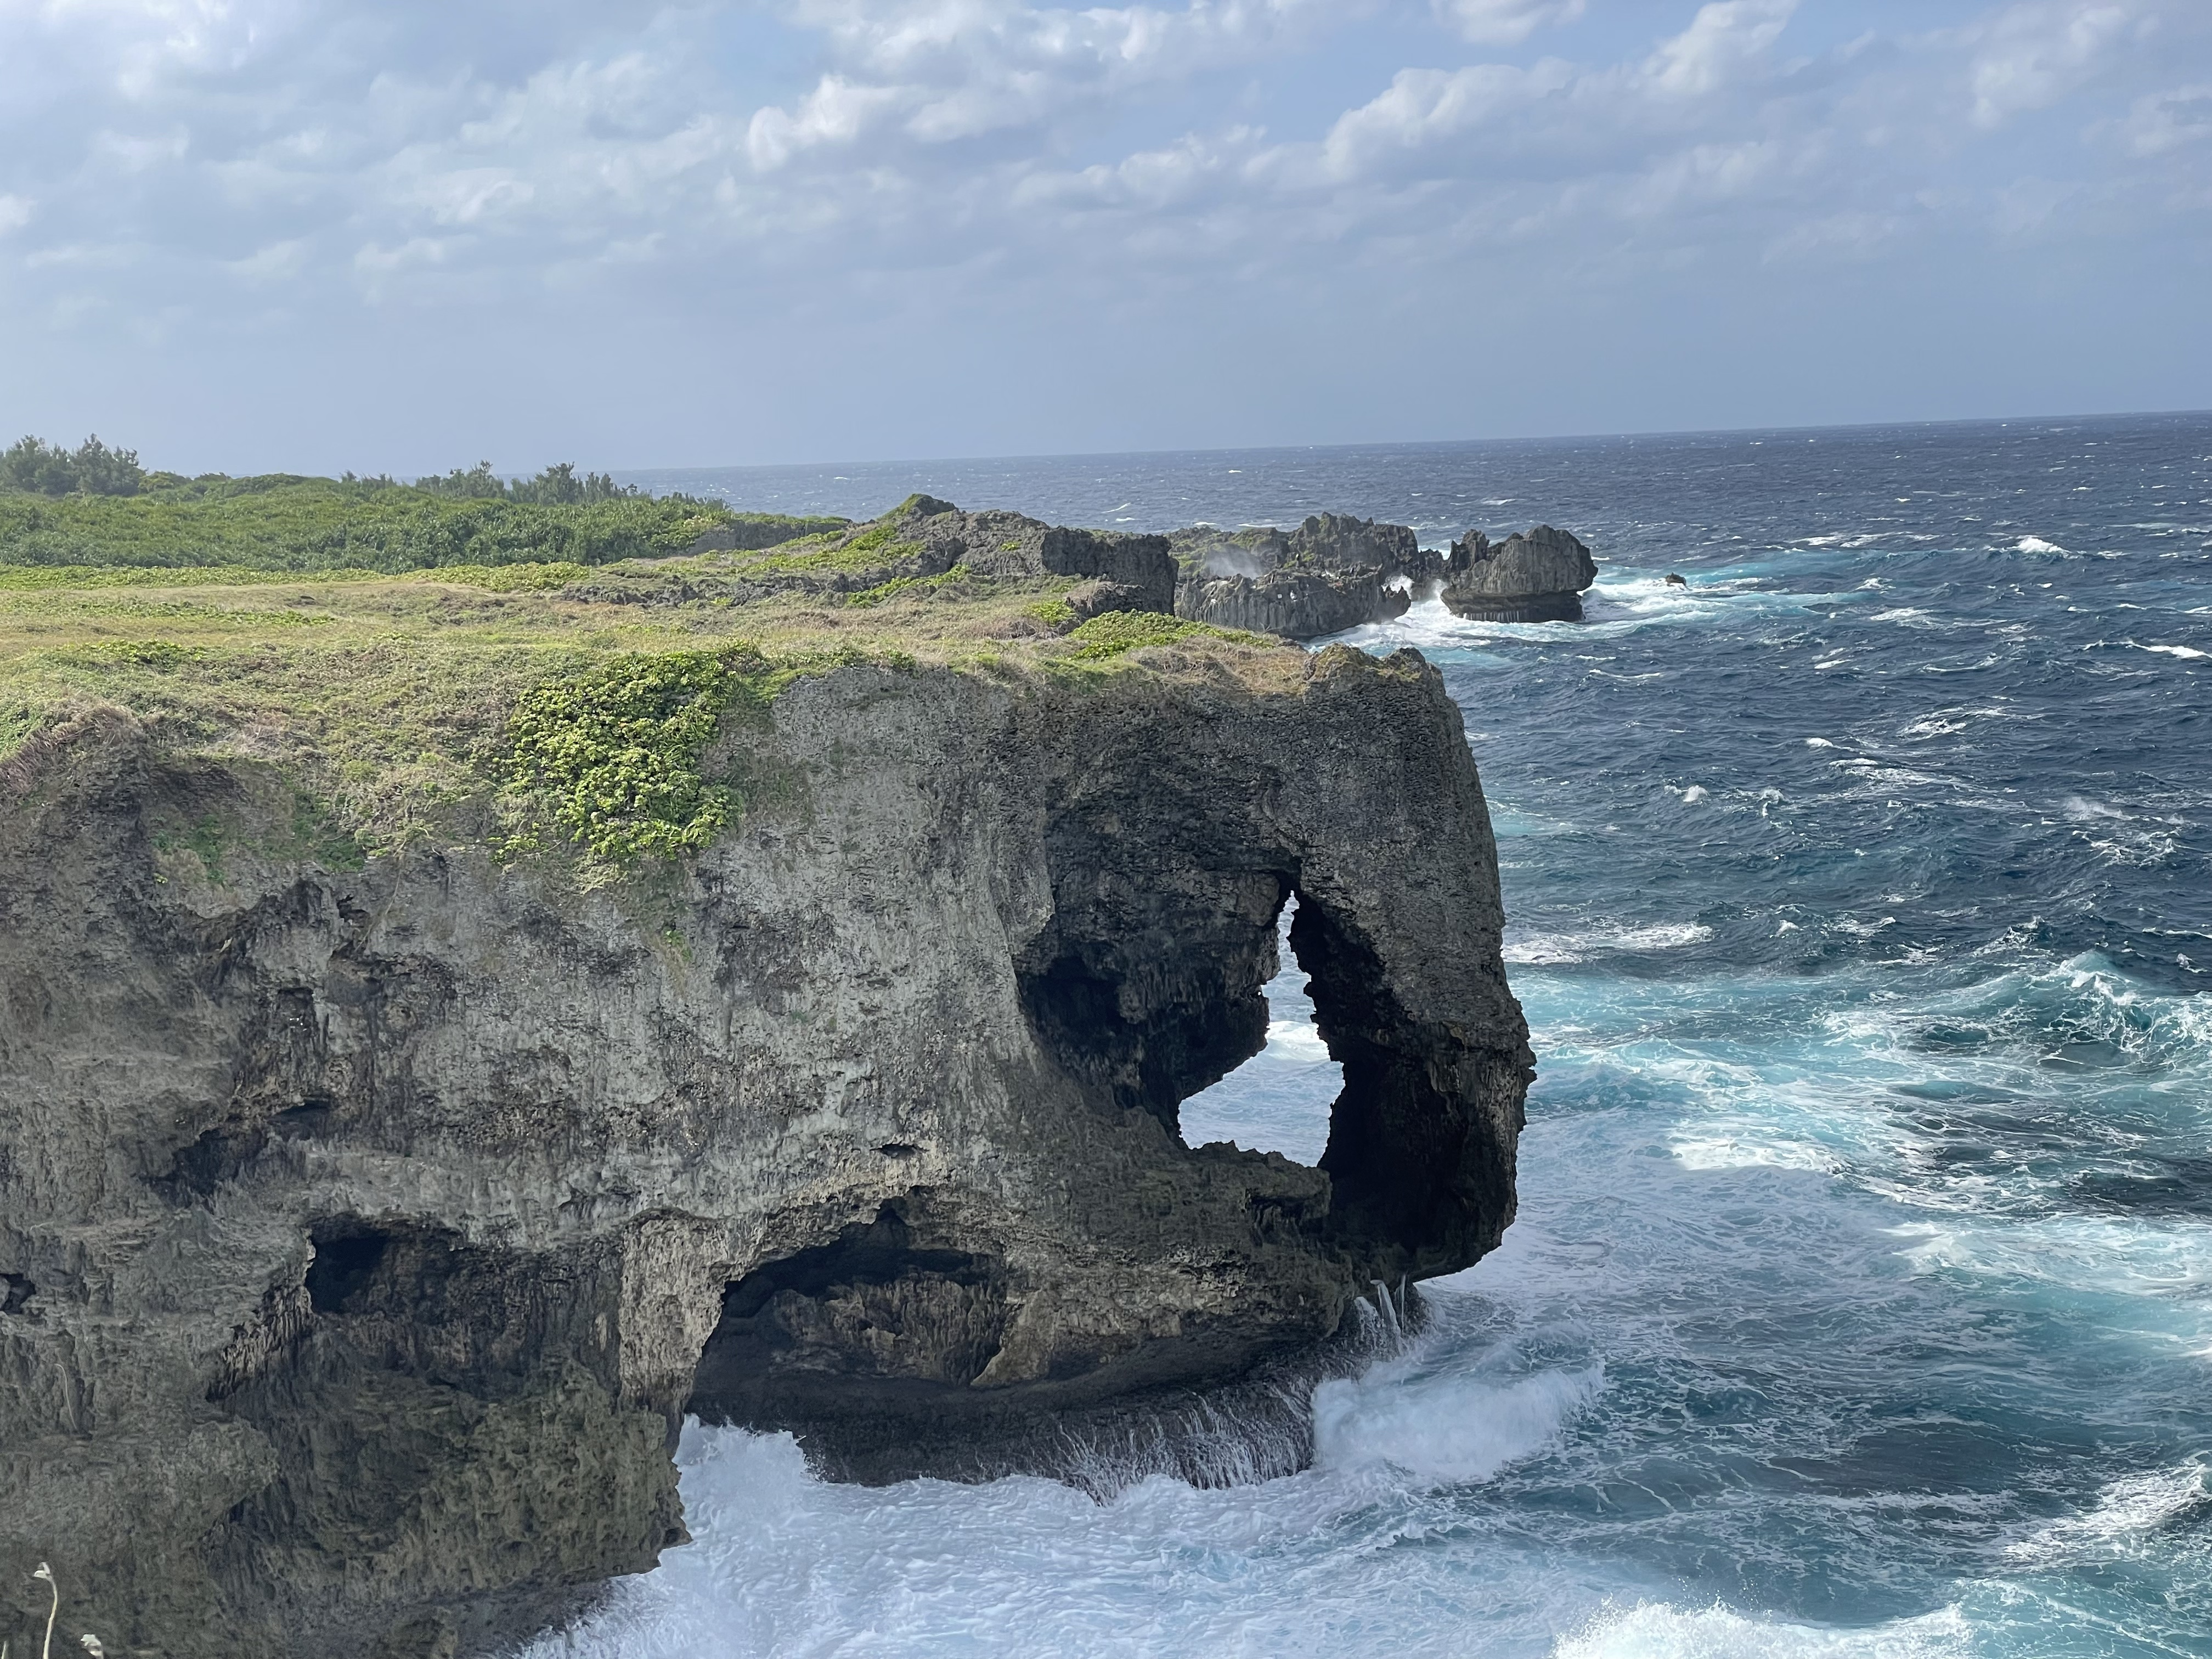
[1119, 632]
[289, 523]
[876, 548]
[1058, 615]
[508, 703]
[909, 585]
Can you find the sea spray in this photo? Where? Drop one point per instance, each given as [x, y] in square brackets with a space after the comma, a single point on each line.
[1857, 1304]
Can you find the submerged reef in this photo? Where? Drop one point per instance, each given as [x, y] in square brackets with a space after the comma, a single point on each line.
[453, 1026]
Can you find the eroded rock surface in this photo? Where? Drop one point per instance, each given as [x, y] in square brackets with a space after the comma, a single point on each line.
[1537, 575]
[364, 1233]
[921, 540]
[1332, 572]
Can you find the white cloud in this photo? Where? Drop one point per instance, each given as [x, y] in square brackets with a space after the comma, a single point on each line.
[836, 112]
[1505, 22]
[209, 157]
[2029, 56]
[2160, 121]
[1723, 41]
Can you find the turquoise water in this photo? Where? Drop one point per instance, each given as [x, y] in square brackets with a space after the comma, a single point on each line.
[1860, 1299]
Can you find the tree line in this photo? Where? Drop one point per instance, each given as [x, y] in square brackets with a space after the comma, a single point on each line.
[35, 467]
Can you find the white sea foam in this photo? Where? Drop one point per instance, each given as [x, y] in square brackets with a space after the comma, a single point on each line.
[1949, 722]
[2036, 544]
[1542, 950]
[1297, 1040]
[2082, 811]
[2126, 1510]
[1449, 1428]
[1658, 1630]
[2187, 651]
[1753, 1144]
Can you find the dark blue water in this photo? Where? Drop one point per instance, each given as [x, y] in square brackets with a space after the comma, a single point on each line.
[1861, 1302]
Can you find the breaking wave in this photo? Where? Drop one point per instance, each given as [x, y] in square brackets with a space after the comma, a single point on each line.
[1859, 1305]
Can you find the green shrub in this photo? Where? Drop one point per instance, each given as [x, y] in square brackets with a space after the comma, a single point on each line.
[1120, 631]
[292, 524]
[1058, 615]
[531, 578]
[91, 469]
[614, 754]
[899, 585]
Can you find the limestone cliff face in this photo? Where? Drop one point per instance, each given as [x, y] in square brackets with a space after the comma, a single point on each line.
[1332, 572]
[1536, 576]
[364, 1232]
[1298, 604]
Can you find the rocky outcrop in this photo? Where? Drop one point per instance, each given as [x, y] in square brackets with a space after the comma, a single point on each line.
[366, 1230]
[1330, 573]
[1332, 541]
[920, 539]
[1537, 576]
[752, 532]
[1296, 605]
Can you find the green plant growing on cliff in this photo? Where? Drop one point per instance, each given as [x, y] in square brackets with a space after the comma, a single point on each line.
[899, 585]
[616, 753]
[1117, 632]
[51, 517]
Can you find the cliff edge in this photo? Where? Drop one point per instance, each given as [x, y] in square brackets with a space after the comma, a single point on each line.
[370, 1214]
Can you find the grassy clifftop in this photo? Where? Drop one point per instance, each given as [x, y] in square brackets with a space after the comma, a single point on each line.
[562, 706]
[284, 523]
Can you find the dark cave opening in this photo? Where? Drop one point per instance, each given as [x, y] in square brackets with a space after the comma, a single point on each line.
[838, 1328]
[347, 1256]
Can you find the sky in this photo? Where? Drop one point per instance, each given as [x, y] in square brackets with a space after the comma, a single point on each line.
[316, 235]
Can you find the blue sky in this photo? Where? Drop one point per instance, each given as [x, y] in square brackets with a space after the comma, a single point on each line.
[312, 235]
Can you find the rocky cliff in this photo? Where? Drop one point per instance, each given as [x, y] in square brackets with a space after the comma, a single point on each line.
[1332, 572]
[1537, 575]
[922, 539]
[367, 1226]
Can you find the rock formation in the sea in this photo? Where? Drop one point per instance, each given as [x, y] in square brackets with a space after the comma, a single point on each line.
[366, 1229]
[1538, 575]
[1331, 572]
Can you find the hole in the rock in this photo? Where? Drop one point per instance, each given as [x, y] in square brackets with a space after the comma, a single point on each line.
[347, 1256]
[310, 1117]
[15, 1290]
[1144, 1020]
[1279, 1100]
[870, 1312]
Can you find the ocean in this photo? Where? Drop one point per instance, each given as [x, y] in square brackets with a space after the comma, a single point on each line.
[1860, 1304]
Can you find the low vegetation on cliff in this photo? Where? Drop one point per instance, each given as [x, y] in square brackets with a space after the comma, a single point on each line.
[386, 649]
[97, 507]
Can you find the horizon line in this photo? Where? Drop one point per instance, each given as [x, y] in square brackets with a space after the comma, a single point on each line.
[628, 472]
